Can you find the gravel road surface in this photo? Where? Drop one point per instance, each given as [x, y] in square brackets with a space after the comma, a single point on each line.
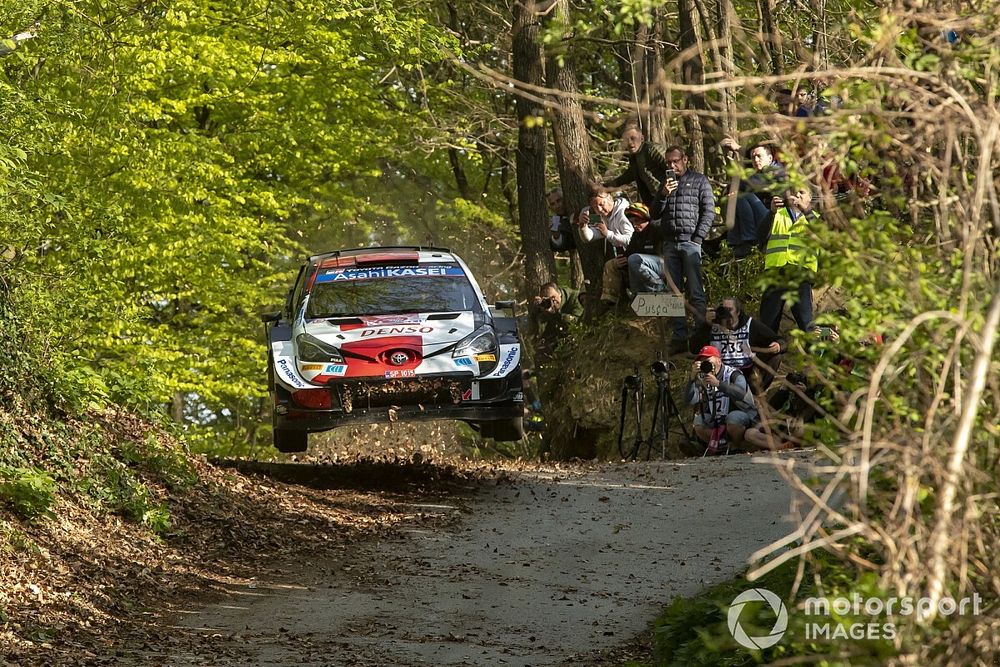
[544, 568]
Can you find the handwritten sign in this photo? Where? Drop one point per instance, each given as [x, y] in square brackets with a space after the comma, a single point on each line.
[658, 304]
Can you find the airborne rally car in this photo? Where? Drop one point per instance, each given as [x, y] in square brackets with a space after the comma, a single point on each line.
[391, 334]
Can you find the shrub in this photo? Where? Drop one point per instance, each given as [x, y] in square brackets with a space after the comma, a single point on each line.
[31, 492]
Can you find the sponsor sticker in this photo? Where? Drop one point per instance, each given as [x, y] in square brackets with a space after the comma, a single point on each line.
[391, 331]
[312, 367]
[338, 275]
[519, 396]
[467, 394]
[463, 361]
[401, 373]
[509, 360]
[336, 369]
[486, 357]
[290, 376]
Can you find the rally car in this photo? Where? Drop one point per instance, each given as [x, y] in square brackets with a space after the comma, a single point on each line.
[391, 334]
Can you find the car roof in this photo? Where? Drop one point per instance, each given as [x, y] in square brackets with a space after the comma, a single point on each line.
[382, 255]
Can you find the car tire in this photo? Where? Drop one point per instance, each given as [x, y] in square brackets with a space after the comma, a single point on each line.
[503, 430]
[290, 441]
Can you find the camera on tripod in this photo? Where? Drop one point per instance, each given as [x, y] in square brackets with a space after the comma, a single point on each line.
[632, 381]
[660, 370]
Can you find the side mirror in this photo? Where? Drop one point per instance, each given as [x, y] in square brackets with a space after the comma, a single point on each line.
[504, 305]
[267, 318]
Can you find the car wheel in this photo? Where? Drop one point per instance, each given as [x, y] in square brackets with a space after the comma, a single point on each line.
[503, 430]
[290, 441]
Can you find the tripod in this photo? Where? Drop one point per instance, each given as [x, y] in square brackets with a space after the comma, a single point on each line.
[664, 408]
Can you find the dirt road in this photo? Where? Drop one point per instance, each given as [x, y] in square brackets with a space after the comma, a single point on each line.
[550, 568]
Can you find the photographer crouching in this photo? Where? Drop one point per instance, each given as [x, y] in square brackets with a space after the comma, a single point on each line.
[551, 313]
[740, 338]
[725, 403]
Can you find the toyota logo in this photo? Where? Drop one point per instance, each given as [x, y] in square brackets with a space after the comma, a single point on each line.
[399, 358]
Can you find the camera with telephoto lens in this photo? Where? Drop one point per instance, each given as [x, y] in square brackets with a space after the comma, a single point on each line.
[546, 303]
[723, 314]
[705, 368]
[659, 369]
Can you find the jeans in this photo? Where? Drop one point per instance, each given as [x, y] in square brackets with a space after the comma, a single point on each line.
[645, 273]
[683, 259]
[750, 213]
[772, 304]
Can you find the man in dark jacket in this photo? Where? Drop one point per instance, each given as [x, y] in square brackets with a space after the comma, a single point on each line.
[646, 166]
[686, 208]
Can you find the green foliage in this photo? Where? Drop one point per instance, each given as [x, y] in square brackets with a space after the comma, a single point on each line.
[694, 631]
[30, 492]
[117, 487]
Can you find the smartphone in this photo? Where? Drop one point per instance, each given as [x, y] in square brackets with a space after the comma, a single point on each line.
[595, 219]
[670, 175]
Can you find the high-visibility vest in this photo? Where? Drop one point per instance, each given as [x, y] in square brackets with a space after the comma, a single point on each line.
[788, 243]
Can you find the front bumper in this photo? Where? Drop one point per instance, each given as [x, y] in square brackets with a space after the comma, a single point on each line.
[380, 401]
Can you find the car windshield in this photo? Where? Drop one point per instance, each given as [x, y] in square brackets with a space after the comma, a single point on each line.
[390, 290]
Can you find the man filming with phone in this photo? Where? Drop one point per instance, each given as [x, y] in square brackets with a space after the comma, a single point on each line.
[725, 404]
[686, 208]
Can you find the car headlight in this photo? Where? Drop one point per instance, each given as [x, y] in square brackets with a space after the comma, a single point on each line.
[478, 342]
[311, 348]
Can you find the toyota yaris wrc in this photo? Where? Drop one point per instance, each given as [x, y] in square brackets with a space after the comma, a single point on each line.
[391, 334]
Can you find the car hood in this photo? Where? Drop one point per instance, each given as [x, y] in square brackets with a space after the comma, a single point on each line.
[394, 346]
[432, 331]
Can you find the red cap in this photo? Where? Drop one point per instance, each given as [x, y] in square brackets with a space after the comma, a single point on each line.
[709, 351]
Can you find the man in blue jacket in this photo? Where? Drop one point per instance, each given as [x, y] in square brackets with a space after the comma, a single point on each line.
[686, 208]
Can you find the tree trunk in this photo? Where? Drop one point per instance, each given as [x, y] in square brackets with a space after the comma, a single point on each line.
[576, 169]
[539, 265]
[177, 408]
[693, 73]
[460, 179]
[771, 38]
[646, 66]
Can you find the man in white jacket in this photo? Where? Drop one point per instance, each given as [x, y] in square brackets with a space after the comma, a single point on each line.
[605, 219]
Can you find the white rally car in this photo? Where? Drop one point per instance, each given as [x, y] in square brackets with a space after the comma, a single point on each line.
[391, 333]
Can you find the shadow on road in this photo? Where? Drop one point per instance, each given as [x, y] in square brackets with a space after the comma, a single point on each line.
[364, 474]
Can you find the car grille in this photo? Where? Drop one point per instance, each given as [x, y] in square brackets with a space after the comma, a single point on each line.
[396, 393]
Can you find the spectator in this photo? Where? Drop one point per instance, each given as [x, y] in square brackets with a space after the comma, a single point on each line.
[739, 339]
[552, 311]
[784, 102]
[725, 403]
[647, 167]
[686, 210]
[605, 219]
[806, 102]
[789, 259]
[790, 410]
[560, 227]
[641, 262]
[754, 195]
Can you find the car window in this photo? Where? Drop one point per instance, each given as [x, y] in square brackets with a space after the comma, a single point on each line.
[388, 290]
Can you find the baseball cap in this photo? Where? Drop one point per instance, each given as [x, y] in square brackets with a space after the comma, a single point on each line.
[709, 351]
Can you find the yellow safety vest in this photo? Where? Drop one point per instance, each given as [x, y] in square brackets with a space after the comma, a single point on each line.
[788, 243]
